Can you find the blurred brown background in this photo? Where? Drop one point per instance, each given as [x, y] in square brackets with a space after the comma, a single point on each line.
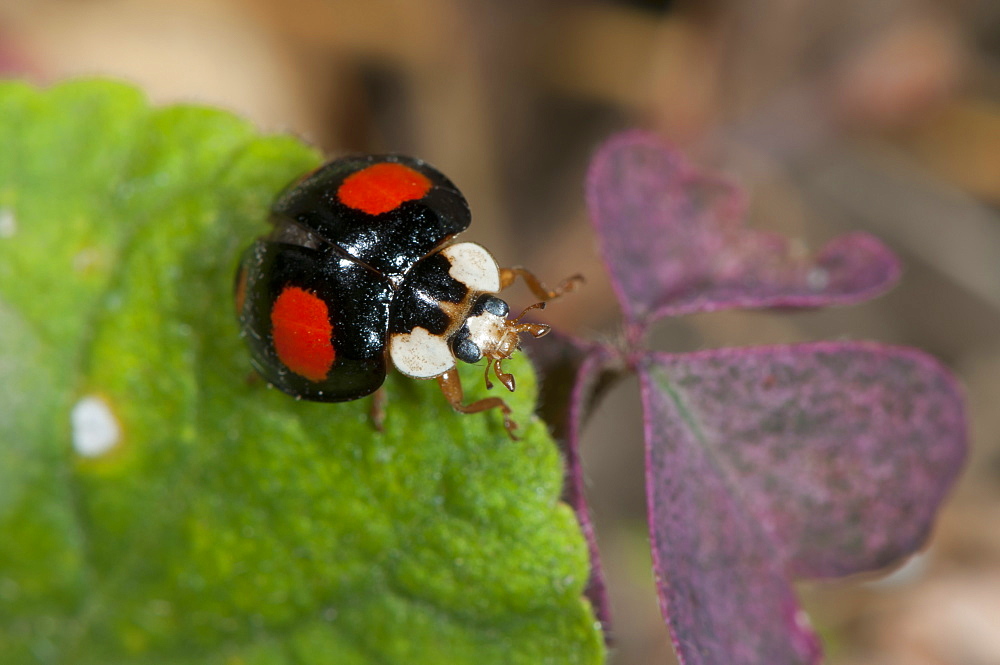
[881, 115]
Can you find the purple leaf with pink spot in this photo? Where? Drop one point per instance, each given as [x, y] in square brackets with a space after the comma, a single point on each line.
[674, 242]
[763, 464]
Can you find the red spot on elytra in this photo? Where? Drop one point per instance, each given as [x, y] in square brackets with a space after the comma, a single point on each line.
[300, 327]
[382, 187]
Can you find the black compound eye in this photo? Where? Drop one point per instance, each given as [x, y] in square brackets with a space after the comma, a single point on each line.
[464, 348]
[496, 306]
[467, 352]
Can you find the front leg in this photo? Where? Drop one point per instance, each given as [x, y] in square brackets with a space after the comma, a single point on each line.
[451, 387]
[542, 292]
[379, 400]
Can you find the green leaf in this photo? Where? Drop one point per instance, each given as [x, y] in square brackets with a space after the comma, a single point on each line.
[224, 522]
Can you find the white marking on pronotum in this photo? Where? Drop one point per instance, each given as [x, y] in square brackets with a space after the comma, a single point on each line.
[420, 354]
[95, 428]
[486, 330]
[8, 223]
[474, 266]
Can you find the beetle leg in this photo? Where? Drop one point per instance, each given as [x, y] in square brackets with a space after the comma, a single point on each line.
[379, 399]
[506, 379]
[451, 387]
[542, 292]
[489, 365]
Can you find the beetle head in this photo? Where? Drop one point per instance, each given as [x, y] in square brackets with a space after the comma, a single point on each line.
[488, 333]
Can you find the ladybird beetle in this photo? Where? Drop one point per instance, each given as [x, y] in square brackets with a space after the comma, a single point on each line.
[360, 269]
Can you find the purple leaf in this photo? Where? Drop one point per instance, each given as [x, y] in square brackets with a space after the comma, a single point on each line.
[574, 376]
[588, 383]
[762, 464]
[722, 590]
[674, 242]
